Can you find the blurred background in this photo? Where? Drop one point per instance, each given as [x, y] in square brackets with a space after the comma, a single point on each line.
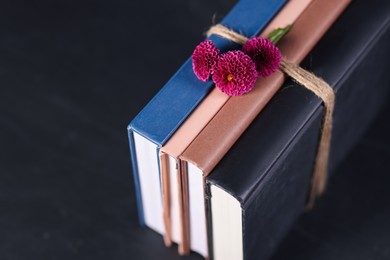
[72, 76]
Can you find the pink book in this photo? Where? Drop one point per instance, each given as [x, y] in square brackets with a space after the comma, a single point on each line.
[176, 213]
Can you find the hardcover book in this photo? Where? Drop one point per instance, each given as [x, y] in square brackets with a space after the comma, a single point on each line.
[212, 143]
[159, 119]
[260, 187]
[178, 228]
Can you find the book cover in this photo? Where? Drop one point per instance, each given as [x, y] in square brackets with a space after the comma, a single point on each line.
[268, 171]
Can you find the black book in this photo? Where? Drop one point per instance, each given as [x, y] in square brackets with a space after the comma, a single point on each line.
[261, 186]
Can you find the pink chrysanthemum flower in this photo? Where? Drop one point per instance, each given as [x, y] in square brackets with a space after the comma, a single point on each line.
[235, 73]
[204, 59]
[264, 53]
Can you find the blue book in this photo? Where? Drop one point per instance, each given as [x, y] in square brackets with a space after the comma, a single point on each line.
[160, 118]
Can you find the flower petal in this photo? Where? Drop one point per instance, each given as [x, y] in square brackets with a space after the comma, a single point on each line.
[264, 53]
[235, 73]
[204, 59]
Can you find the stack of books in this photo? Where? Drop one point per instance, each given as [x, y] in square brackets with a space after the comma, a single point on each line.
[226, 177]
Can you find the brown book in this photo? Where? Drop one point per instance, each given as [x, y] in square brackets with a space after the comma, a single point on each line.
[176, 218]
[213, 142]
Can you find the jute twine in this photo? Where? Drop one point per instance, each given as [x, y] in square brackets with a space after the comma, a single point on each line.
[320, 88]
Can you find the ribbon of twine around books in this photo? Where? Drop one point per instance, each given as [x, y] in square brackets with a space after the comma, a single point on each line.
[320, 88]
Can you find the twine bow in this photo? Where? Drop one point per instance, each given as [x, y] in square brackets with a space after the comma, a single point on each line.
[320, 88]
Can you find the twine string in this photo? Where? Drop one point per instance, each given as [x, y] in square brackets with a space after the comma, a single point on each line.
[227, 33]
[320, 88]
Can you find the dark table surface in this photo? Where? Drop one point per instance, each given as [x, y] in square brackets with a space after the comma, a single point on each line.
[72, 76]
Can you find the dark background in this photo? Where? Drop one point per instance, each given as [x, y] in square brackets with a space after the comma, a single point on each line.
[72, 76]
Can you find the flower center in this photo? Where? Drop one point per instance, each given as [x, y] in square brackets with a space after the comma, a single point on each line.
[229, 77]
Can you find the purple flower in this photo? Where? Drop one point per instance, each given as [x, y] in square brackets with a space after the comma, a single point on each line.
[235, 73]
[204, 59]
[264, 53]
